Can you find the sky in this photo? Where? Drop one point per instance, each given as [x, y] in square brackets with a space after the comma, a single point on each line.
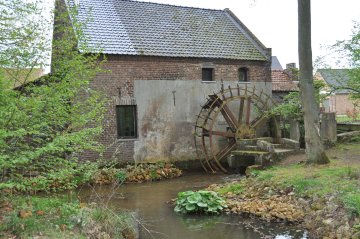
[274, 22]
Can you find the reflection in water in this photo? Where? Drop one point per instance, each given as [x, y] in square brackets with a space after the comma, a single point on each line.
[150, 201]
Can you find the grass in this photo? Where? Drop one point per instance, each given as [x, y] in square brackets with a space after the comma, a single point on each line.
[340, 177]
[231, 188]
[59, 217]
[345, 118]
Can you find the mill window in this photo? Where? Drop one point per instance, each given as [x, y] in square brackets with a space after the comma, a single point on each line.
[126, 121]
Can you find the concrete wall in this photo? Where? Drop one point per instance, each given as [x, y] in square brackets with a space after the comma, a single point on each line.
[152, 83]
[166, 122]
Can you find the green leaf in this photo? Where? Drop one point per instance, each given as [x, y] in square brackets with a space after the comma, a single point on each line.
[190, 207]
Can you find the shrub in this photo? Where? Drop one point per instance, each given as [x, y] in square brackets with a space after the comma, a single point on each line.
[199, 202]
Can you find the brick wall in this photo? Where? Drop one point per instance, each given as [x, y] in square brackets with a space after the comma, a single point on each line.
[124, 70]
[340, 103]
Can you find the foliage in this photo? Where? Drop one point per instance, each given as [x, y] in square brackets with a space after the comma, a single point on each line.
[199, 202]
[151, 172]
[291, 108]
[136, 173]
[59, 217]
[45, 125]
[350, 50]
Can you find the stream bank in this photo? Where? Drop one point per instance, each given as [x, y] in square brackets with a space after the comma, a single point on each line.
[324, 199]
[157, 218]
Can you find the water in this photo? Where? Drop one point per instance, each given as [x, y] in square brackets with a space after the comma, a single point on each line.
[158, 220]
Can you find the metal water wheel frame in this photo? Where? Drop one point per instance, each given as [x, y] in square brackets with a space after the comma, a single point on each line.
[218, 103]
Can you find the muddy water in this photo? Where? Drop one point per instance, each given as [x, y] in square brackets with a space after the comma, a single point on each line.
[159, 220]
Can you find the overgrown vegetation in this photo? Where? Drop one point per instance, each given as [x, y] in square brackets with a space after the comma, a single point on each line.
[46, 124]
[199, 202]
[142, 172]
[61, 217]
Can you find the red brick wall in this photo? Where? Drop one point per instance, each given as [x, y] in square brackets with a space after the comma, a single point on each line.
[124, 70]
[340, 103]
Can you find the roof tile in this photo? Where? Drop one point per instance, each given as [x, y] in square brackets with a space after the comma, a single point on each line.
[142, 28]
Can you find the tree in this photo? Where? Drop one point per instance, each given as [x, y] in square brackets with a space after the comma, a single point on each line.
[45, 124]
[314, 147]
[350, 50]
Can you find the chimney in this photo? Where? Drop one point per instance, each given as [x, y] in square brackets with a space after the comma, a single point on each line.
[290, 66]
[292, 71]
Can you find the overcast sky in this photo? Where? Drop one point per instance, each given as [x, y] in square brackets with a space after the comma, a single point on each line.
[274, 22]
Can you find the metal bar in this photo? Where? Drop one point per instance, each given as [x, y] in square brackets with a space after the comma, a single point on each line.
[230, 91]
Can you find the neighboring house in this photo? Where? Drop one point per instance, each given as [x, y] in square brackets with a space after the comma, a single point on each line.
[164, 61]
[283, 81]
[338, 100]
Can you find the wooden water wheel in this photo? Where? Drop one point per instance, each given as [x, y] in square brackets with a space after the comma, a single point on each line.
[228, 117]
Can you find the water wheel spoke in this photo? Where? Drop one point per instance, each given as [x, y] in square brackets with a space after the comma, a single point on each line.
[229, 117]
[223, 153]
[248, 111]
[227, 134]
[258, 121]
[241, 111]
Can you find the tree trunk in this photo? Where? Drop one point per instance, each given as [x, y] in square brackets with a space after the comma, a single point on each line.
[314, 147]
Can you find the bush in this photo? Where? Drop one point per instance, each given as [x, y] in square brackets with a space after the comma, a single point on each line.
[199, 202]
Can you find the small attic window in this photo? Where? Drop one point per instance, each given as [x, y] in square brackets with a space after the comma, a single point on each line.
[243, 74]
[208, 74]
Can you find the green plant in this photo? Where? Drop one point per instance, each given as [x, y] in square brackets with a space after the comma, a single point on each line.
[45, 123]
[352, 202]
[199, 202]
[121, 176]
[356, 227]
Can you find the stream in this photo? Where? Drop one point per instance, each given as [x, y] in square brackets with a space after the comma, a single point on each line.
[158, 220]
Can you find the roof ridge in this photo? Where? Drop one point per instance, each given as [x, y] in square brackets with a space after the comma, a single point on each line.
[248, 34]
[172, 5]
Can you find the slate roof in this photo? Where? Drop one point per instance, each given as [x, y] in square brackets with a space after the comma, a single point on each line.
[128, 27]
[275, 64]
[335, 78]
[281, 82]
